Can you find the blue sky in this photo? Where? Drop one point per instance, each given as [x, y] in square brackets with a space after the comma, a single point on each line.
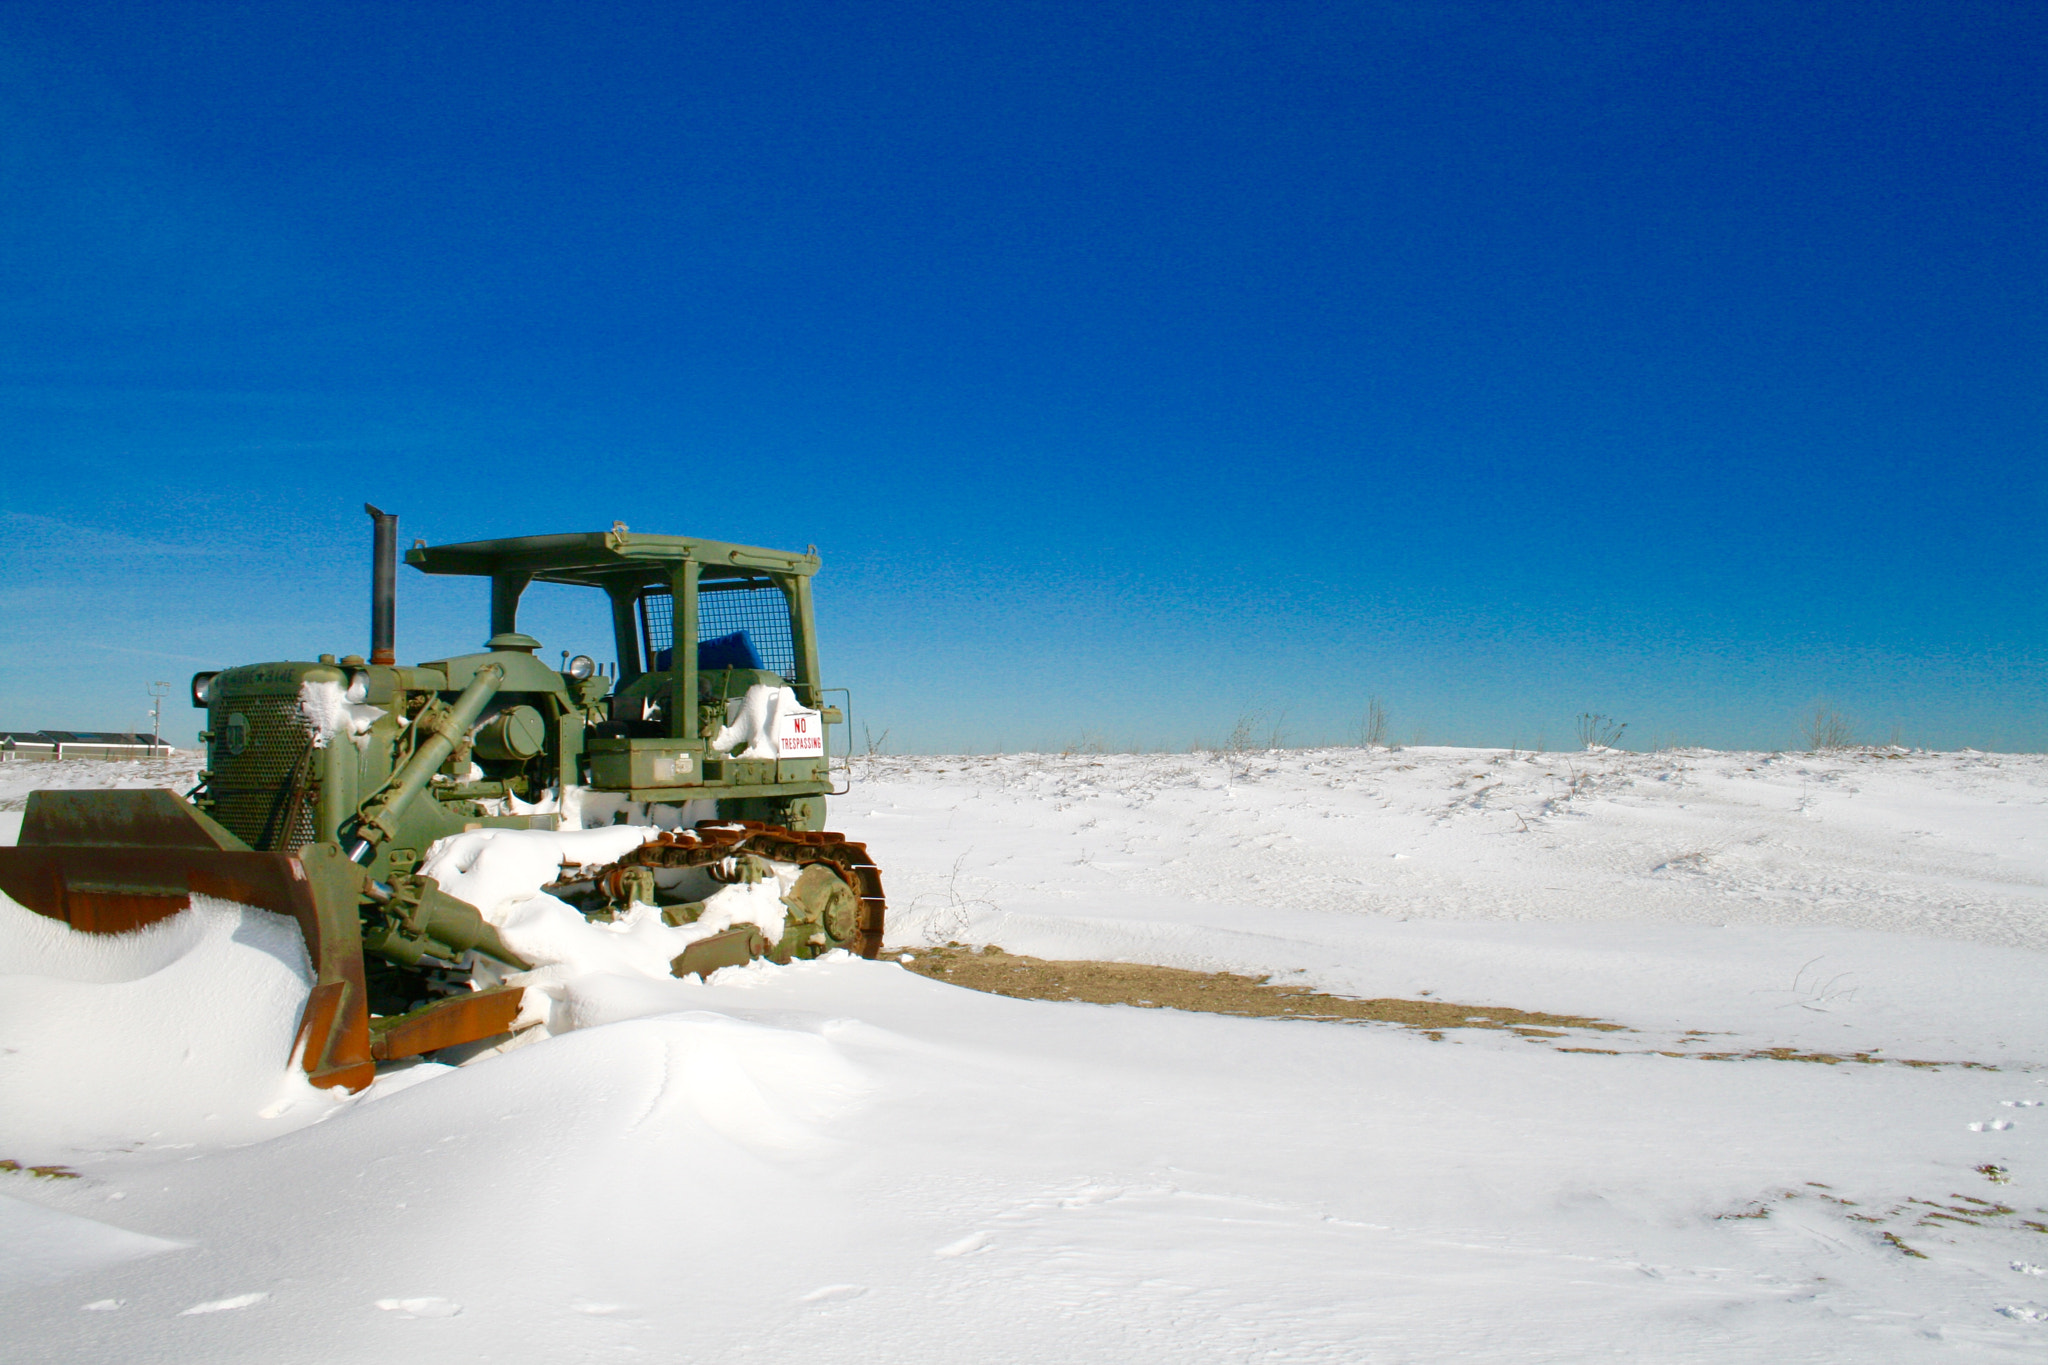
[1133, 367]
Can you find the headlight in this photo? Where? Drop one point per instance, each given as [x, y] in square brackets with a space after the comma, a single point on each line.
[201, 684]
[582, 666]
[358, 687]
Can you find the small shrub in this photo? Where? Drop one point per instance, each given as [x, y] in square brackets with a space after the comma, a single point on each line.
[1372, 731]
[1600, 732]
[1244, 734]
[1825, 728]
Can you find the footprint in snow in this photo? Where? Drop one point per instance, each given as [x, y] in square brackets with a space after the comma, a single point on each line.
[1991, 1126]
[421, 1308]
[102, 1305]
[2022, 1104]
[966, 1246]
[223, 1305]
[834, 1293]
[2024, 1268]
[2025, 1312]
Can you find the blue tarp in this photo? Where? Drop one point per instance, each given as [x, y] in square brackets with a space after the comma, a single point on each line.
[727, 651]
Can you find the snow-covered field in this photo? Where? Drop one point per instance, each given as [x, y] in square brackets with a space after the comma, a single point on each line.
[846, 1161]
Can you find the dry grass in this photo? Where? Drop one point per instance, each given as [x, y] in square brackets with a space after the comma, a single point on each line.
[1142, 986]
[1146, 987]
[1923, 1217]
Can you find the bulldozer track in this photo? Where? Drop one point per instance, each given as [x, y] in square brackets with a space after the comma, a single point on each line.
[713, 840]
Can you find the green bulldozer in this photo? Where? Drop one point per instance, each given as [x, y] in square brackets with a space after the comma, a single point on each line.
[327, 783]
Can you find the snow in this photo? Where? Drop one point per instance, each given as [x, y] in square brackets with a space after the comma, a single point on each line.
[39, 1245]
[846, 1161]
[155, 1041]
[577, 962]
[19, 777]
[767, 721]
[493, 869]
[329, 712]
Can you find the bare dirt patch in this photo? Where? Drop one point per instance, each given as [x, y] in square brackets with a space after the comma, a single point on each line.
[1146, 987]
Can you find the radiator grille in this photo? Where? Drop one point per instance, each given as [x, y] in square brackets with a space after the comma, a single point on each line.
[264, 795]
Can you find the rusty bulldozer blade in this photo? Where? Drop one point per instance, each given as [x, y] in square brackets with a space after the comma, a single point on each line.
[107, 862]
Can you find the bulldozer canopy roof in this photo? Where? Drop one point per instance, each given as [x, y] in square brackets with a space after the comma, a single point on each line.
[605, 558]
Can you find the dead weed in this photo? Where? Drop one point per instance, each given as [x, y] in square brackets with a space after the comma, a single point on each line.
[1147, 987]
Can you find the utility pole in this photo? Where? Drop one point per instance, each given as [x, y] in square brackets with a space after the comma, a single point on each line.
[157, 691]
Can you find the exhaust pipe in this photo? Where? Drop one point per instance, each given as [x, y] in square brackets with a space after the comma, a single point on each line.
[383, 587]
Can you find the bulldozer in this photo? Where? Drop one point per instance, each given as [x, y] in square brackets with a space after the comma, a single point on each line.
[327, 783]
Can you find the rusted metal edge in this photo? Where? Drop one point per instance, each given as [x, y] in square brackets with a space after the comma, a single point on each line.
[445, 1023]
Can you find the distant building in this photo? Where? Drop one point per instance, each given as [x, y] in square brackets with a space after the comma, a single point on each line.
[18, 745]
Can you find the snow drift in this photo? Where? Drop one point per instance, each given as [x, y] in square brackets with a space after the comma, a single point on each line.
[843, 1160]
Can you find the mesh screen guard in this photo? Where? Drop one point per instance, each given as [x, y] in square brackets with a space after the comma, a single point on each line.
[757, 607]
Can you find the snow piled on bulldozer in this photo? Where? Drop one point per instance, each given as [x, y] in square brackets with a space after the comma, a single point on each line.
[502, 871]
[1817, 1135]
[329, 712]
